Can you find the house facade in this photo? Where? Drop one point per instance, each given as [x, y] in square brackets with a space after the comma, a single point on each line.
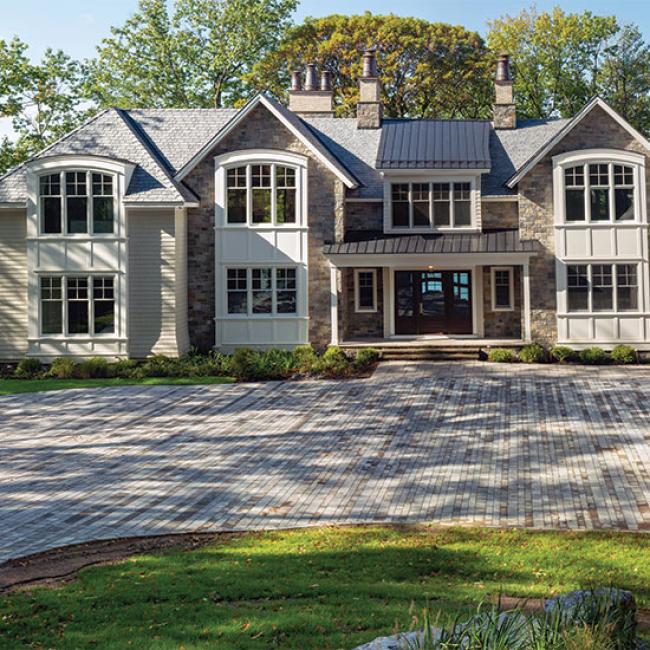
[150, 231]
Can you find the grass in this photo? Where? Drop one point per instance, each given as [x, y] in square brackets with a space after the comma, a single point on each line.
[12, 386]
[312, 589]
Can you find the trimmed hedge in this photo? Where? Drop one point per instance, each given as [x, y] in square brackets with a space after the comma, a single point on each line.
[501, 355]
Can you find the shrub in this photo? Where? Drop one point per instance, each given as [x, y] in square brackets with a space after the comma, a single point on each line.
[93, 368]
[563, 354]
[593, 356]
[275, 364]
[199, 365]
[501, 355]
[305, 358]
[28, 368]
[533, 353]
[160, 366]
[243, 364]
[623, 354]
[365, 357]
[62, 368]
[334, 363]
[124, 369]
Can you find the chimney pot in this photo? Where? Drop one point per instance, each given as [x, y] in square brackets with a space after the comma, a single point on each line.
[296, 80]
[326, 81]
[503, 68]
[369, 64]
[310, 79]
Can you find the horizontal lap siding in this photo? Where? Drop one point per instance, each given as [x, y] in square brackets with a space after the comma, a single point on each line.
[13, 285]
[152, 286]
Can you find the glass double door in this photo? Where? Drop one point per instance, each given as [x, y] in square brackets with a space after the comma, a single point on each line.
[433, 302]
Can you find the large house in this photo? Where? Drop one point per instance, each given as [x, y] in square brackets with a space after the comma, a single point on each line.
[148, 231]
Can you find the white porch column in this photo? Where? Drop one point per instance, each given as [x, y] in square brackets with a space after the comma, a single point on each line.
[334, 304]
[526, 289]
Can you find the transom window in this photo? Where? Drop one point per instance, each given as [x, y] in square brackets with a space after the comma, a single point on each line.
[599, 192]
[253, 291]
[261, 194]
[602, 288]
[77, 304]
[77, 202]
[431, 205]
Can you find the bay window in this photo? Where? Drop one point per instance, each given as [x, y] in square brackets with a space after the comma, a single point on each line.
[260, 291]
[599, 193]
[602, 288]
[431, 205]
[77, 202]
[77, 304]
[260, 194]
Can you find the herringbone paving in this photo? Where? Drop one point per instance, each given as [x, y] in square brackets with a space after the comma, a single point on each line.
[463, 443]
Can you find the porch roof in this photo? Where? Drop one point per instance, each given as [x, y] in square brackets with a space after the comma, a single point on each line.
[504, 241]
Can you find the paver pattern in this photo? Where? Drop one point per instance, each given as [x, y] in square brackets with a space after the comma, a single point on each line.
[468, 443]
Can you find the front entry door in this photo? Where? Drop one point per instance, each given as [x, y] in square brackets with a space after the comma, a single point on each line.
[433, 302]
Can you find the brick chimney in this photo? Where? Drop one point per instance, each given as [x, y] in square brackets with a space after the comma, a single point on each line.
[312, 100]
[505, 113]
[369, 108]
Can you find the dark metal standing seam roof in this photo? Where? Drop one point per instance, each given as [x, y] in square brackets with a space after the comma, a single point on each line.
[506, 241]
[434, 144]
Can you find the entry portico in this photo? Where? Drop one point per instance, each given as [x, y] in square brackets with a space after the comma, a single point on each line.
[448, 285]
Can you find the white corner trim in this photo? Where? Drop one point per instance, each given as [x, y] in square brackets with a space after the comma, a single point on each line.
[563, 132]
[349, 182]
[357, 307]
[511, 288]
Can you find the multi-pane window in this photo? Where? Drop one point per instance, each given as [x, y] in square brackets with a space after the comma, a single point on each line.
[77, 304]
[51, 305]
[503, 291]
[237, 291]
[261, 194]
[366, 291]
[77, 202]
[266, 290]
[599, 192]
[431, 205]
[602, 288]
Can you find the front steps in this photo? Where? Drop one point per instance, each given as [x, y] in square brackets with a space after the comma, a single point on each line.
[466, 350]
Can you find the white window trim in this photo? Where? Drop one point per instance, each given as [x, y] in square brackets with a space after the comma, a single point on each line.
[357, 306]
[259, 157]
[590, 311]
[249, 292]
[610, 157]
[511, 287]
[475, 202]
[66, 335]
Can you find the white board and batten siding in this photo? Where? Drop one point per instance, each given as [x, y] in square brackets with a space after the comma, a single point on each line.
[13, 284]
[260, 246]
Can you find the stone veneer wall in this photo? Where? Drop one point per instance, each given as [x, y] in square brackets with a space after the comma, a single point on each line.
[501, 324]
[498, 215]
[536, 216]
[358, 325]
[260, 130]
[368, 215]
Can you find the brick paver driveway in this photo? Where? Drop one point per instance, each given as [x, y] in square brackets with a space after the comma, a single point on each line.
[464, 443]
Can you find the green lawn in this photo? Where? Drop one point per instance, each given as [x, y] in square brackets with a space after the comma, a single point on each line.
[317, 588]
[11, 386]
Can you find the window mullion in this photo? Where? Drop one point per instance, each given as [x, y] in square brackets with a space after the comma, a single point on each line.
[615, 287]
[89, 205]
[91, 305]
[590, 292]
[274, 298]
[249, 195]
[410, 195]
[249, 290]
[273, 195]
[452, 212]
[431, 205]
[587, 193]
[611, 206]
[64, 204]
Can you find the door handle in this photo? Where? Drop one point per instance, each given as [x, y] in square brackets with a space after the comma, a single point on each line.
[421, 310]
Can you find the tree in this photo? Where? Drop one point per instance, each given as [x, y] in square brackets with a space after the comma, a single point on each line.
[556, 58]
[44, 100]
[197, 57]
[427, 69]
[624, 78]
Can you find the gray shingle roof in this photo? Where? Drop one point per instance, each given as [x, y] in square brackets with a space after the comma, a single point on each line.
[434, 144]
[505, 241]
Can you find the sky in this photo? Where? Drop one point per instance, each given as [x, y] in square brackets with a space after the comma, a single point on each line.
[77, 26]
